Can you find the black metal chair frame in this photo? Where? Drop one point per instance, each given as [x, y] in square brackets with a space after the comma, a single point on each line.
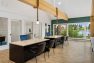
[38, 49]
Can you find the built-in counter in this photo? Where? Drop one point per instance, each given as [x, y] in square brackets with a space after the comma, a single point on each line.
[28, 42]
[54, 36]
[19, 51]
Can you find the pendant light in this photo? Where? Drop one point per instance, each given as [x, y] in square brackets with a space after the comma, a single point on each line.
[37, 12]
[57, 18]
[57, 14]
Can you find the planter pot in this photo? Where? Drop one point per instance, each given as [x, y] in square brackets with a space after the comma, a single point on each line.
[92, 43]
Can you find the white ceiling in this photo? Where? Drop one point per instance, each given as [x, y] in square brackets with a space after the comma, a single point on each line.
[74, 8]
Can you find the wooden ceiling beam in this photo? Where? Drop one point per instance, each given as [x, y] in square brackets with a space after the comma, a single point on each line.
[43, 5]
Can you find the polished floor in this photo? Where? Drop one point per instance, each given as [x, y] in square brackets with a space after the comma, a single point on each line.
[74, 52]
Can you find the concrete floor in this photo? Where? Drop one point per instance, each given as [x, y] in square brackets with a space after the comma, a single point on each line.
[74, 52]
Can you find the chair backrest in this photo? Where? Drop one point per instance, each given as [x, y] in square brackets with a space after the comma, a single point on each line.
[51, 43]
[41, 47]
[62, 38]
[24, 37]
[66, 38]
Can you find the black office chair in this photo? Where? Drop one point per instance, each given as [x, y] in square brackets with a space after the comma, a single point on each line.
[58, 41]
[66, 38]
[38, 49]
[49, 44]
[62, 41]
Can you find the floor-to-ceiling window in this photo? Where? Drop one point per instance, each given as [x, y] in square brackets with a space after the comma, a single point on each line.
[75, 30]
[79, 30]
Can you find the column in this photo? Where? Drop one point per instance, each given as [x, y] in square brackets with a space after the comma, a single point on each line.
[92, 20]
[23, 26]
[9, 31]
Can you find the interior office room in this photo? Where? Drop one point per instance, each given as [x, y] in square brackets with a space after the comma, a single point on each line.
[46, 31]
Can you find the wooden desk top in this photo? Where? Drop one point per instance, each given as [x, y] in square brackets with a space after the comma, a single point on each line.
[28, 42]
[55, 36]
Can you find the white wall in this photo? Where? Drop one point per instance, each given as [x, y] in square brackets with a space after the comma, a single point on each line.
[4, 28]
[13, 9]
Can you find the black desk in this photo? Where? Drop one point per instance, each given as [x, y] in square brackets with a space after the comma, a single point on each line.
[19, 51]
[56, 38]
